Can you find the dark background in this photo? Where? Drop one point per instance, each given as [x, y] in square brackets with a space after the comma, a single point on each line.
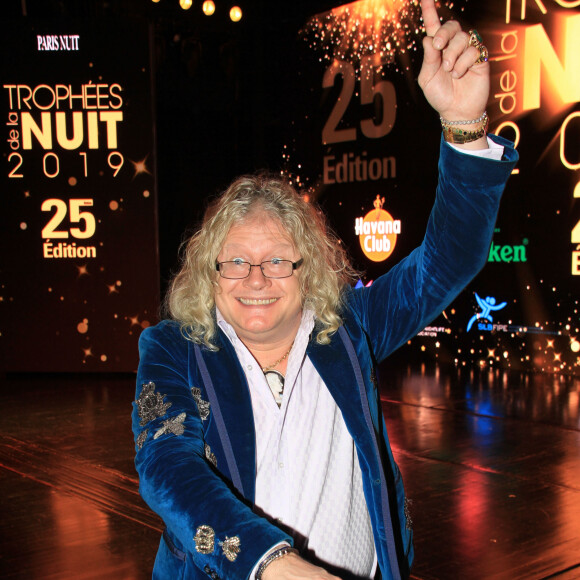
[225, 93]
[233, 98]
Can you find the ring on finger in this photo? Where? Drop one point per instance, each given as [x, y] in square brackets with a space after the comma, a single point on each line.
[476, 41]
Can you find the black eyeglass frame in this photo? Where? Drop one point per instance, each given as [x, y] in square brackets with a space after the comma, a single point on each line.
[295, 266]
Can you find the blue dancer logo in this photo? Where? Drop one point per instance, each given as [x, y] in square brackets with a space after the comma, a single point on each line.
[486, 306]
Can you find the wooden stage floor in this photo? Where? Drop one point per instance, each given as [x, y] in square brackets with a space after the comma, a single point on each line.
[491, 462]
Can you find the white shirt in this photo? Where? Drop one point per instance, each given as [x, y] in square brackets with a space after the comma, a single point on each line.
[308, 478]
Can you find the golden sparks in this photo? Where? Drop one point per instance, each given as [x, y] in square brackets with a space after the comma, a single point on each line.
[140, 167]
[387, 29]
[82, 270]
[83, 327]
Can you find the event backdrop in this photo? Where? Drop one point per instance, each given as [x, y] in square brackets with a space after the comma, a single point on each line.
[78, 269]
[364, 144]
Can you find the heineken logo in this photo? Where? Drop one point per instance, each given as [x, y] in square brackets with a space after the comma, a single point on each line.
[506, 253]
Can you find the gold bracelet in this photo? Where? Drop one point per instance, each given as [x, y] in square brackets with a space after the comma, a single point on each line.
[458, 136]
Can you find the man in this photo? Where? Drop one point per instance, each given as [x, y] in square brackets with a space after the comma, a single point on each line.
[260, 436]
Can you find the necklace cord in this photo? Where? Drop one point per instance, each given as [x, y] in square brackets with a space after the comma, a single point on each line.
[275, 364]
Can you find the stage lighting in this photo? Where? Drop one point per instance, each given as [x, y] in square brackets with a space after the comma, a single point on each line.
[236, 14]
[208, 7]
[185, 4]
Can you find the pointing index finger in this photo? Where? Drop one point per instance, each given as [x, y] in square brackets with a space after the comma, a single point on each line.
[430, 17]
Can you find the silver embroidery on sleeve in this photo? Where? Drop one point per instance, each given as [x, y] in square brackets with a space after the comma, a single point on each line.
[204, 539]
[231, 548]
[150, 404]
[209, 455]
[142, 438]
[173, 425]
[202, 406]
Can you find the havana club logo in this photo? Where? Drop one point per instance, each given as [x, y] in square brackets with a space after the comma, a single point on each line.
[377, 232]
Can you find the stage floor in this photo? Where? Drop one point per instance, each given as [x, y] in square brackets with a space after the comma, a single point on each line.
[491, 462]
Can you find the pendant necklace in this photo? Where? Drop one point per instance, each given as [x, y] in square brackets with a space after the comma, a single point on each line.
[275, 378]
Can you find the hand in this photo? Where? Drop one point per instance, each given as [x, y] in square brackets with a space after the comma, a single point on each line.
[293, 567]
[456, 87]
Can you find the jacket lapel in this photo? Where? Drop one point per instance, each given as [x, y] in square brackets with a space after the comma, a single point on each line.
[235, 404]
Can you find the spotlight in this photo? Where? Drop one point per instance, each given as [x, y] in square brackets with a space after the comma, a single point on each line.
[185, 4]
[155, 1]
[236, 14]
[208, 7]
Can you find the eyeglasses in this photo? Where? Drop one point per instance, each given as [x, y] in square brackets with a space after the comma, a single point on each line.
[274, 268]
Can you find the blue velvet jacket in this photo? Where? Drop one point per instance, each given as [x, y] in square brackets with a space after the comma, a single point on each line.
[193, 421]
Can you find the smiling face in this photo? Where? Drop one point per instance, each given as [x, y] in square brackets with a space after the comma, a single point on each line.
[263, 311]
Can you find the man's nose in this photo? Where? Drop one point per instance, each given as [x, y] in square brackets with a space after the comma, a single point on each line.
[256, 276]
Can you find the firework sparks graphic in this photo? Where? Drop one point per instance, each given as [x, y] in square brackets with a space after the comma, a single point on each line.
[388, 29]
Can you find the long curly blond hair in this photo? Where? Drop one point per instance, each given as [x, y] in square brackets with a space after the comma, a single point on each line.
[324, 274]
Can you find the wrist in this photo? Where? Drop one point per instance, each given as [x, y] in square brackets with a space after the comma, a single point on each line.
[272, 557]
[470, 133]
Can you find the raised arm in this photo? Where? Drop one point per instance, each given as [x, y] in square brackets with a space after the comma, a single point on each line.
[455, 80]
